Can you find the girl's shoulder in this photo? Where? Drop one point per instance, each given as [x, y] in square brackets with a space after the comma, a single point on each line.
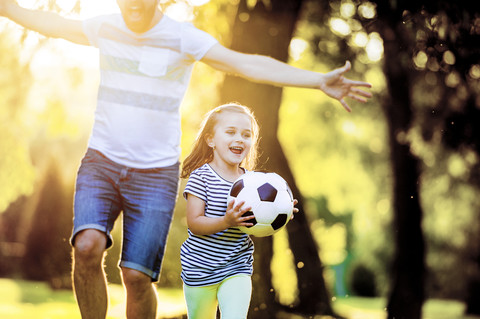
[202, 170]
[203, 173]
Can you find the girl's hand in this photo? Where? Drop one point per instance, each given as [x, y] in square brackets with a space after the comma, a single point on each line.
[234, 214]
[295, 210]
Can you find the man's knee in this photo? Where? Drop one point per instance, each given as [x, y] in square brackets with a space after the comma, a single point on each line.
[135, 279]
[89, 246]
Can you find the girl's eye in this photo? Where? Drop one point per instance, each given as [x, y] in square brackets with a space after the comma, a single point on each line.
[230, 132]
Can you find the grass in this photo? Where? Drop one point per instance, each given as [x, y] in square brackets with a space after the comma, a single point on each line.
[374, 308]
[25, 300]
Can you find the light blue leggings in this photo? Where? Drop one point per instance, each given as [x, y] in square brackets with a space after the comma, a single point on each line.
[232, 295]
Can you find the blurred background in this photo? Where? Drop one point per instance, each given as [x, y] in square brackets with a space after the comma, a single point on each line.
[390, 216]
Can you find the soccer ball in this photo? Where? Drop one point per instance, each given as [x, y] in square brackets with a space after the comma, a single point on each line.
[269, 197]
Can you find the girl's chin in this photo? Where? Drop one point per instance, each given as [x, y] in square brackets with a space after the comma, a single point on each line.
[235, 163]
[238, 158]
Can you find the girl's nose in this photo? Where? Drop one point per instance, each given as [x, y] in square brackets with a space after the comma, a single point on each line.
[239, 139]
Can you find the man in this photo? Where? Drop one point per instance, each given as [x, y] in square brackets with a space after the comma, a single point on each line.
[131, 164]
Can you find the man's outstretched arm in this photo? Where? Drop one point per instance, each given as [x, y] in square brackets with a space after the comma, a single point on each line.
[47, 23]
[263, 69]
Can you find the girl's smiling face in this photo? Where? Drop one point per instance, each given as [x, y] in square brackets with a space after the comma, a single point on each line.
[232, 138]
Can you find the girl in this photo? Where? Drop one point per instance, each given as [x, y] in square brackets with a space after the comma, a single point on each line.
[217, 258]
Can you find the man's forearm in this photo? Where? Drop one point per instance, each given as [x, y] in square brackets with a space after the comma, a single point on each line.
[47, 23]
[264, 69]
[260, 68]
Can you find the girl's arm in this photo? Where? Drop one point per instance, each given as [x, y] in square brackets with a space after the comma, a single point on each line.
[47, 23]
[264, 69]
[199, 224]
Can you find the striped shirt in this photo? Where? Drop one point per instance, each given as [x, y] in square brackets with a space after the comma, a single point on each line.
[143, 78]
[209, 259]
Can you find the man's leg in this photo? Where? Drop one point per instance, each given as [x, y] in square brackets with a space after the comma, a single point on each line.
[148, 198]
[141, 295]
[88, 276]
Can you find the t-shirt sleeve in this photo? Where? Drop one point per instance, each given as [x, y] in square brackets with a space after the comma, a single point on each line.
[195, 42]
[91, 29]
[195, 186]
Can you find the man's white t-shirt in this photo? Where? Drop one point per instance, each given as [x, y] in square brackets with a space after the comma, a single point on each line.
[143, 80]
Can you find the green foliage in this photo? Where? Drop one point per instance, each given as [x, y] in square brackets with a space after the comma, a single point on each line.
[47, 248]
[16, 170]
[441, 59]
[17, 173]
[171, 268]
[344, 158]
[36, 195]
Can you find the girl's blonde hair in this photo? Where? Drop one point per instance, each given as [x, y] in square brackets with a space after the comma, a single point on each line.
[202, 153]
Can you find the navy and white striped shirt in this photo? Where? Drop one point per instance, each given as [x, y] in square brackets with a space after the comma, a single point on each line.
[209, 259]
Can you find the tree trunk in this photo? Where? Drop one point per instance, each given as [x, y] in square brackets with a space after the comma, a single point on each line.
[407, 290]
[268, 31]
[473, 291]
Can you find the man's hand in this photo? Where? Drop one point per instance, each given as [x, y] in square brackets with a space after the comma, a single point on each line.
[49, 24]
[338, 87]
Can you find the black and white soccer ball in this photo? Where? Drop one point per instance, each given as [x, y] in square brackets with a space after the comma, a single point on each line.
[270, 198]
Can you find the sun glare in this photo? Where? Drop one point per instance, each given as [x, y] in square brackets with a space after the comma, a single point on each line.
[92, 8]
[180, 11]
[340, 26]
[367, 10]
[60, 53]
[360, 39]
[347, 9]
[349, 128]
[89, 8]
[297, 47]
[197, 2]
[374, 47]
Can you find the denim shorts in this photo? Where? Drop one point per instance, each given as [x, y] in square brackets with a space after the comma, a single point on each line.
[146, 197]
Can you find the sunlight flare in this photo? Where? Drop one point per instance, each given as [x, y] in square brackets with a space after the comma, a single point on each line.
[340, 27]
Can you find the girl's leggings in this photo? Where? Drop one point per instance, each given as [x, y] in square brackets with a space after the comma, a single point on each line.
[232, 295]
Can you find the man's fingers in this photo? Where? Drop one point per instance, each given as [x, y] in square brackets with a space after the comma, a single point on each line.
[345, 105]
[358, 83]
[361, 92]
[357, 98]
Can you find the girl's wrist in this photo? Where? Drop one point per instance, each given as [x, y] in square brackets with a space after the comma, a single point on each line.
[225, 223]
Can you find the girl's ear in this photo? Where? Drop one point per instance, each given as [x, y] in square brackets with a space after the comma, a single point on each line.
[209, 141]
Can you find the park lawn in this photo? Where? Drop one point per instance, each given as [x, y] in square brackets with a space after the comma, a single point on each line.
[26, 300]
[374, 308]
